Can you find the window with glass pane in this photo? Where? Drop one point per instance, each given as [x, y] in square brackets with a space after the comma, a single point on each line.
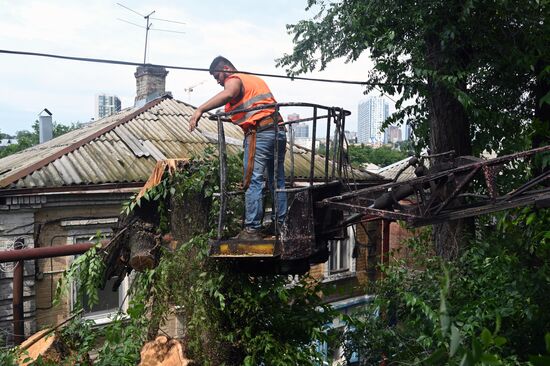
[340, 254]
[109, 300]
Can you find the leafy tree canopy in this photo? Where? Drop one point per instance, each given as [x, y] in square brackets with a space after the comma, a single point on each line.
[488, 60]
[381, 156]
[26, 139]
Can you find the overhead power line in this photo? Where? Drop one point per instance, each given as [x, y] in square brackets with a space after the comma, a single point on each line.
[129, 63]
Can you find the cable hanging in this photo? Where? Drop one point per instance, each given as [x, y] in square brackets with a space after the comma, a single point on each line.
[129, 63]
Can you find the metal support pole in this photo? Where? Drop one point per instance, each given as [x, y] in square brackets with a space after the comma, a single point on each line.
[223, 177]
[313, 133]
[341, 143]
[291, 134]
[18, 314]
[276, 171]
[335, 143]
[327, 143]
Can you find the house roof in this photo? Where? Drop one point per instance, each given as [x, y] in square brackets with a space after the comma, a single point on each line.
[401, 168]
[124, 147]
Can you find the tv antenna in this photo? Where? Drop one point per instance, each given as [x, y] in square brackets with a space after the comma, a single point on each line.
[148, 25]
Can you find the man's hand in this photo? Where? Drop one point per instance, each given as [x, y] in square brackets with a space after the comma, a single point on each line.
[194, 120]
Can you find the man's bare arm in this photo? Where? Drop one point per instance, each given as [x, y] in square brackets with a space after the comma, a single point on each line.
[232, 89]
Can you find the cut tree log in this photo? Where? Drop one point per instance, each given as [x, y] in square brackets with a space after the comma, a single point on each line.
[50, 347]
[163, 352]
[39, 344]
[143, 244]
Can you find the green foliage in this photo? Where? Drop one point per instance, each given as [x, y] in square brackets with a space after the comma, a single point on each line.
[487, 56]
[488, 307]
[381, 156]
[8, 356]
[230, 318]
[26, 139]
[126, 333]
[87, 269]
[263, 319]
[201, 177]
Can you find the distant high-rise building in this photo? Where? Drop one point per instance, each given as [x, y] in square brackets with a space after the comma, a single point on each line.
[371, 114]
[393, 134]
[301, 130]
[105, 105]
[407, 131]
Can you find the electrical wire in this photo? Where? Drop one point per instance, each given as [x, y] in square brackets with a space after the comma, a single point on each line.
[129, 63]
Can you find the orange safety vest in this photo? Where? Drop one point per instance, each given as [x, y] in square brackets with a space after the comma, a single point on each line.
[255, 93]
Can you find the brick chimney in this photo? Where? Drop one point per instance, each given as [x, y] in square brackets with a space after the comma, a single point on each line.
[150, 83]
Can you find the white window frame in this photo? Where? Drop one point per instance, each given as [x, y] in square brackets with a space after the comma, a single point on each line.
[331, 274]
[99, 317]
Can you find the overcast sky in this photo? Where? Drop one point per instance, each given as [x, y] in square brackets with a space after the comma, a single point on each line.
[250, 33]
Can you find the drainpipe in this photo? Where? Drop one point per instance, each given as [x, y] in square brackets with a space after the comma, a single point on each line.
[18, 315]
[20, 255]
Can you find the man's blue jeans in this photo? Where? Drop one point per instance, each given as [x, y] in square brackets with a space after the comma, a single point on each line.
[264, 160]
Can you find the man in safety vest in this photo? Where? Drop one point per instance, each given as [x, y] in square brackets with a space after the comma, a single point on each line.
[241, 92]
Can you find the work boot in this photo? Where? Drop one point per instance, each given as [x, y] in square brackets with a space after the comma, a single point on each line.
[269, 230]
[249, 234]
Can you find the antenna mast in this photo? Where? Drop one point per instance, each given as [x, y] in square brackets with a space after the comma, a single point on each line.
[147, 33]
[148, 26]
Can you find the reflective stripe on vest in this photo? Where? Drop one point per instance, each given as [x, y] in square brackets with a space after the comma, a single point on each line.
[255, 94]
[249, 102]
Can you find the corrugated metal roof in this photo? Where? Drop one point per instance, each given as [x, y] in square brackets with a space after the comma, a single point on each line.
[391, 171]
[124, 147]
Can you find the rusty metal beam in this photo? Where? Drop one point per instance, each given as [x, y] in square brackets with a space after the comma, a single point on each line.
[457, 190]
[383, 214]
[531, 183]
[428, 178]
[501, 204]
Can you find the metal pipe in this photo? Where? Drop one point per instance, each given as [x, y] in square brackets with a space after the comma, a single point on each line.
[327, 146]
[20, 255]
[313, 138]
[291, 135]
[223, 177]
[335, 143]
[47, 252]
[276, 171]
[341, 143]
[18, 315]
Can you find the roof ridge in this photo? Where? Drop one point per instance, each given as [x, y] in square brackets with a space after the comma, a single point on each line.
[48, 159]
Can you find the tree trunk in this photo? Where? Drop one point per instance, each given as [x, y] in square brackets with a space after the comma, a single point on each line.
[189, 216]
[541, 135]
[449, 130]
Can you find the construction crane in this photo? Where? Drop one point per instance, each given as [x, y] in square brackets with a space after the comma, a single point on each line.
[191, 88]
